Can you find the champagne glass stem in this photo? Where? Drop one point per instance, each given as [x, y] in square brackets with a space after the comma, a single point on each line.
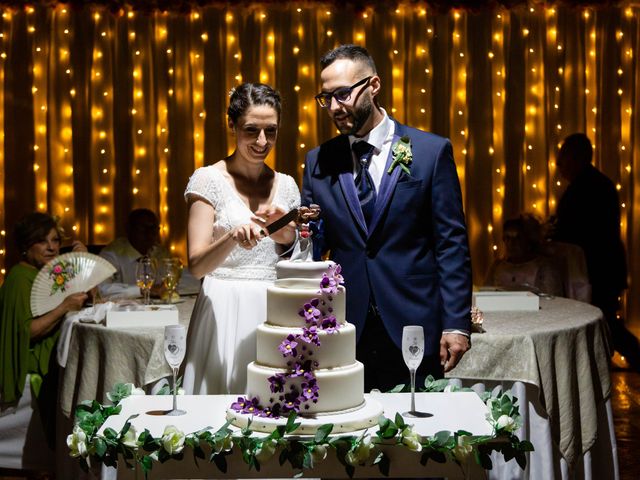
[175, 402]
[147, 296]
[413, 389]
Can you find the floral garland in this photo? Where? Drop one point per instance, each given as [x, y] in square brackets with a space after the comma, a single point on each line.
[110, 446]
[298, 385]
[60, 274]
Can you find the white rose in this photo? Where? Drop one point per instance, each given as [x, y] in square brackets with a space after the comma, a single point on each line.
[318, 453]
[130, 439]
[411, 439]
[266, 450]
[77, 442]
[463, 449]
[172, 440]
[224, 444]
[505, 422]
[360, 454]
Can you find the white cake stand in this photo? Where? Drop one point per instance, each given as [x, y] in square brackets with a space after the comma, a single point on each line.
[359, 418]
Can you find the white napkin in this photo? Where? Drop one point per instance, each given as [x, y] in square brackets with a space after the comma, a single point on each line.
[94, 314]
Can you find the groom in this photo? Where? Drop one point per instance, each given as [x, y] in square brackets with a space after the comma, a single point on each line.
[397, 228]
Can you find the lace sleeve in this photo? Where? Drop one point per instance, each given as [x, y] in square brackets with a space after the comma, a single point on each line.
[204, 184]
[290, 192]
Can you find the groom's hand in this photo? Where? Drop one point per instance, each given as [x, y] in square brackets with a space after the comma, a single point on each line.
[452, 348]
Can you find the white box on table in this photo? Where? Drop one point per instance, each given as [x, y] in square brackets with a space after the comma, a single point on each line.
[143, 316]
[497, 301]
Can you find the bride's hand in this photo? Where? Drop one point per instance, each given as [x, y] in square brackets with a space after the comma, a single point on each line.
[247, 235]
[267, 215]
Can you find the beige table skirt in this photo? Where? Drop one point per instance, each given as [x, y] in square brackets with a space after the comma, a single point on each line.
[561, 349]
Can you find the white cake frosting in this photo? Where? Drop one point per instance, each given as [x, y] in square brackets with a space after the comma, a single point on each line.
[339, 377]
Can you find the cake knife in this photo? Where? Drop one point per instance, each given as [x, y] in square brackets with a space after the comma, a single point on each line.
[281, 222]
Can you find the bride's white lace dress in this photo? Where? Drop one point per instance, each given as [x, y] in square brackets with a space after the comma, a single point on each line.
[232, 301]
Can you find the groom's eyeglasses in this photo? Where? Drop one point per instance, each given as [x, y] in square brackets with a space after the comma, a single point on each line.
[342, 94]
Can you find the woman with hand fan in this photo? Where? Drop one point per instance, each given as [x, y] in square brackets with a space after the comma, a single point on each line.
[27, 341]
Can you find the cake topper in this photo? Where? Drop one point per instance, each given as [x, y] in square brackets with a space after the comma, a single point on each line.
[303, 250]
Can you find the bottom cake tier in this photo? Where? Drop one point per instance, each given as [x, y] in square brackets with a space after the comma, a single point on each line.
[339, 389]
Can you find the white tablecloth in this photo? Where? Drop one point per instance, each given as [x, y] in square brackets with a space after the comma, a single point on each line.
[451, 411]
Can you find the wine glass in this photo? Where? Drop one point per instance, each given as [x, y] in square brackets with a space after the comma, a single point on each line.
[171, 272]
[175, 345]
[145, 277]
[412, 352]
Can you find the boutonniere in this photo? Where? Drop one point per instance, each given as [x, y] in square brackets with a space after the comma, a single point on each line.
[402, 155]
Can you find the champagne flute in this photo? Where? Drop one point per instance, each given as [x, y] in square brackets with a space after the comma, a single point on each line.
[145, 277]
[412, 352]
[175, 345]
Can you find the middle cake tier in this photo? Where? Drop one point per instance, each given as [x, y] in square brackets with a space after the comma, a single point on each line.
[336, 349]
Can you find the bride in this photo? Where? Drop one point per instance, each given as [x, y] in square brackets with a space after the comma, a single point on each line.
[228, 202]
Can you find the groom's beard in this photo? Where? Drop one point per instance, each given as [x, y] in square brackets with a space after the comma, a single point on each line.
[360, 115]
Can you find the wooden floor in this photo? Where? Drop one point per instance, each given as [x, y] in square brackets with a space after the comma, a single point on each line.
[625, 399]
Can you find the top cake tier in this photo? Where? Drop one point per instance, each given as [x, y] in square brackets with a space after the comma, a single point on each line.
[308, 270]
[298, 285]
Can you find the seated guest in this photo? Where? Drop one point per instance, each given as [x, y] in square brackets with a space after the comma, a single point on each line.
[27, 343]
[524, 266]
[143, 239]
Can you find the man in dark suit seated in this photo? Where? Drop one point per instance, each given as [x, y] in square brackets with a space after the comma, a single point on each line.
[392, 214]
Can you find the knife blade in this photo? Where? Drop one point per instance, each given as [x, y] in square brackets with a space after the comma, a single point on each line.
[281, 222]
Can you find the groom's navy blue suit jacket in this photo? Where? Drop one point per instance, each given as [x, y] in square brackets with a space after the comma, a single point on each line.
[414, 257]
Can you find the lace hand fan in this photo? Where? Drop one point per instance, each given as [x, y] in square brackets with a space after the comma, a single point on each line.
[68, 273]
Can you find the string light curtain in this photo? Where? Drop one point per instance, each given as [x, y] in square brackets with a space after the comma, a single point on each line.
[107, 109]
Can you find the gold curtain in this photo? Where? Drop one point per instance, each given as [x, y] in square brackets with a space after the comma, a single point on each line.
[107, 111]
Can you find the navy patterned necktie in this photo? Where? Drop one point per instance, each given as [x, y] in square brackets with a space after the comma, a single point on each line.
[364, 182]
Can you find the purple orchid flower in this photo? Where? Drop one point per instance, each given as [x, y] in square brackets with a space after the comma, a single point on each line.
[310, 335]
[239, 404]
[277, 382]
[288, 346]
[310, 390]
[330, 324]
[310, 311]
[291, 401]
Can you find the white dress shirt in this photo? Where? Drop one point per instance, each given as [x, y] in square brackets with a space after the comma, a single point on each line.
[381, 137]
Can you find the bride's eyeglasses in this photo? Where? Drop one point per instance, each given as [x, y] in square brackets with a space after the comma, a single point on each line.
[342, 94]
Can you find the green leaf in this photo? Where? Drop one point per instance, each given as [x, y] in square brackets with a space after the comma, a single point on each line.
[100, 446]
[110, 433]
[147, 464]
[400, 387]
[383, 463]
[291, 422]
[483, 459]
[323, 432]
[442, 437]
[220, 461]
[350, 470]
[400, 421]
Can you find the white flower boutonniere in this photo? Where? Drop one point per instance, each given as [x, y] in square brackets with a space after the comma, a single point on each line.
[402, 155]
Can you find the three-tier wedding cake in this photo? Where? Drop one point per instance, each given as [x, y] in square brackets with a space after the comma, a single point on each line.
[306, 356]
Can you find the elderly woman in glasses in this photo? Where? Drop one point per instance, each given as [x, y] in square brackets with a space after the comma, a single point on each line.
[27, 343]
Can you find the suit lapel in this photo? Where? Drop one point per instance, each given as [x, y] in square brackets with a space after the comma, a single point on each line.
[348, 186]
[387, 185]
